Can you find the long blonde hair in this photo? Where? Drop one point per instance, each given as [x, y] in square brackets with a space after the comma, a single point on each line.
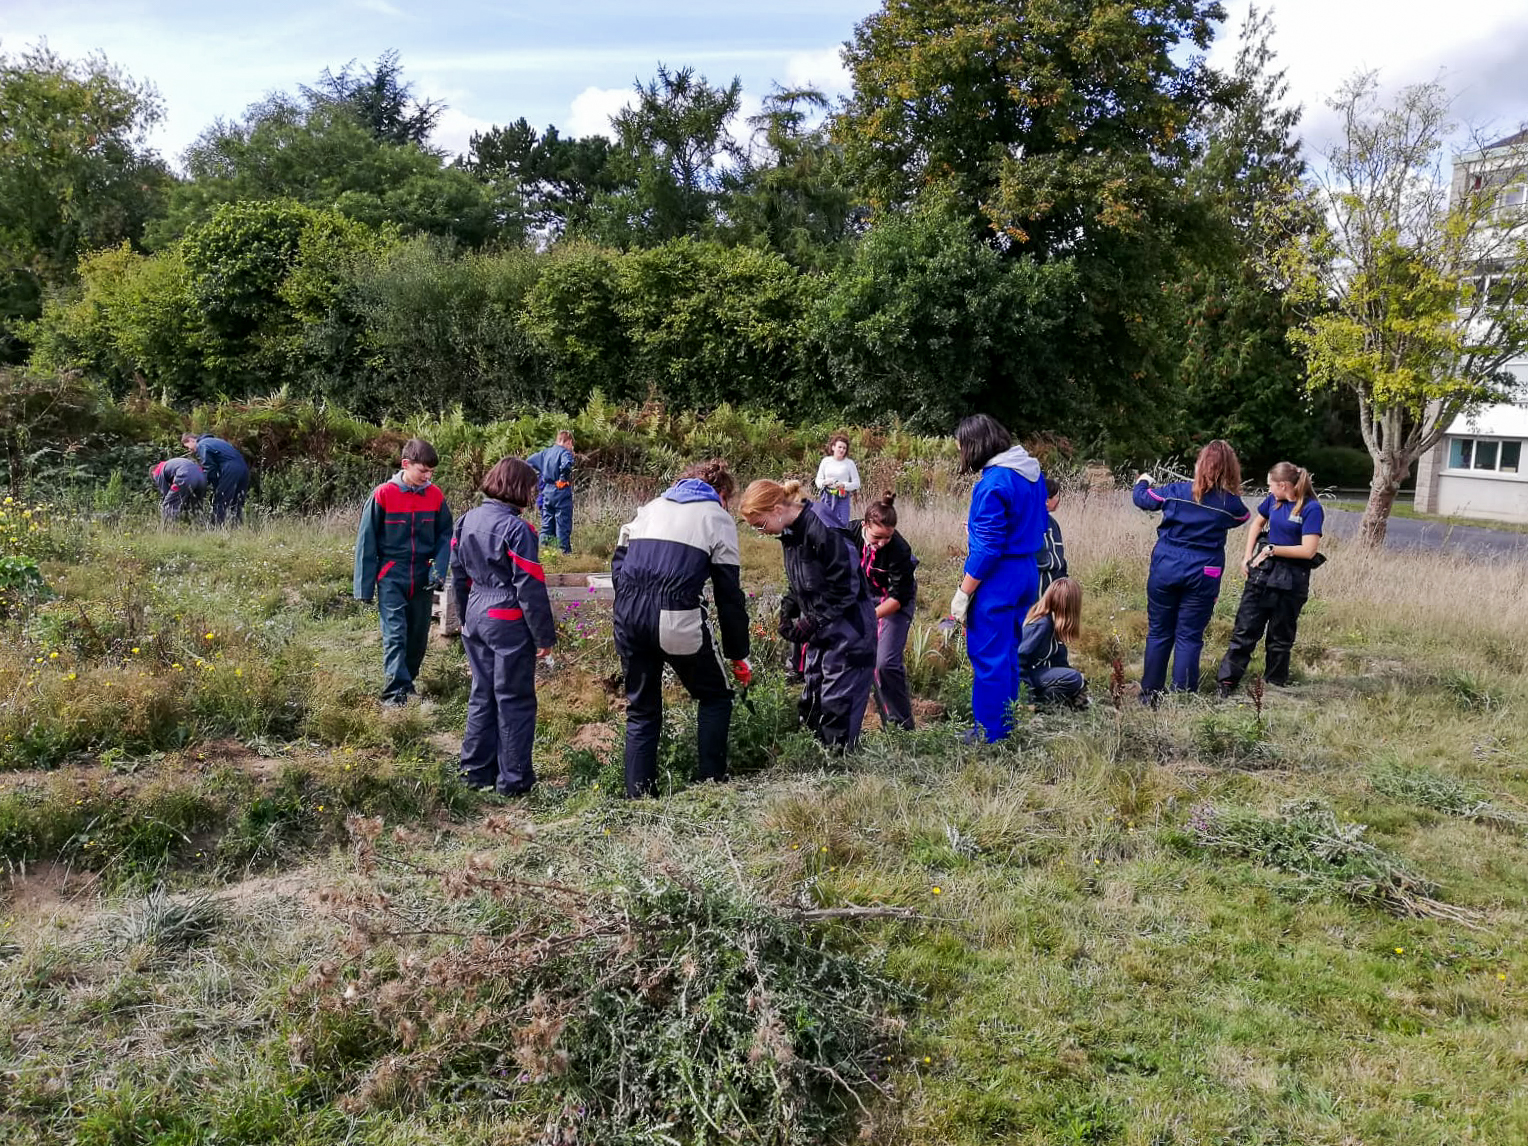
[764, 495]
[1297, 476]
[1062, 603]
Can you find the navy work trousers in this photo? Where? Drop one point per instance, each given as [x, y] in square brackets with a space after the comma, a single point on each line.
[836, 691]
[229, 494]
[892, 697]
[1180, 597]
[557, 519]
[706, 679]
[405, 620]
[501, 708]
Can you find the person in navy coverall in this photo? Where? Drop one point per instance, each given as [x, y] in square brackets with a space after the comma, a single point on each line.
[506, 625]
[678, 543]
[828, 608]
[1187, 564]
[181, 483]
[1278, 576]
[1005, 530]
[401, 552]
[1052, 622]
[227, 475]
[554, 465]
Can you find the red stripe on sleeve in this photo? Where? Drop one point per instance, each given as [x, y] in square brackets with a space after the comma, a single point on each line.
[531, 567]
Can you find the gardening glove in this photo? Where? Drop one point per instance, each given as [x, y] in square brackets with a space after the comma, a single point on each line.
[802, 630]
[742, 672]
[960, 605]
[1147, 478]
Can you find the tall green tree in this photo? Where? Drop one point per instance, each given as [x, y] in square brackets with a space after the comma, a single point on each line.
[672, 148]
[1414, 286]
[791, 193]
[1239, 375]
[1062, 128]
[379, 100]
[559, 178]
[76, 173]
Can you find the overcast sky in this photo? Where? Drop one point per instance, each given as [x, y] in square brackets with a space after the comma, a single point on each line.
[574, 63]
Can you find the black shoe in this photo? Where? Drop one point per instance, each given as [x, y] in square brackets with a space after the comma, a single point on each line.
[1225, 689]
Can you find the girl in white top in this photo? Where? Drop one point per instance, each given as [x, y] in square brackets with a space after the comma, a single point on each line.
[837, 479]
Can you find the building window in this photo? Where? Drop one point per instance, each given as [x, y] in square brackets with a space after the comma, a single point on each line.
[1488, 454]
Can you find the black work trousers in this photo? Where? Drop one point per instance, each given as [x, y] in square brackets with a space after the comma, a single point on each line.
[1264, 610]
[704, 678]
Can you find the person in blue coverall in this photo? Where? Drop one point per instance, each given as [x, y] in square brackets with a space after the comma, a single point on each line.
[507, 624]
[1005, 530]
[227, 475]
[554, 468]
[1278, 567]
[401, 553]
[1187, 564]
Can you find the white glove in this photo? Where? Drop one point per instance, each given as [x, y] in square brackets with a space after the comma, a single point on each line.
[960, 605]
[1147, 478]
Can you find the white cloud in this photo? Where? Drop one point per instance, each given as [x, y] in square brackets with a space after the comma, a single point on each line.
[821, 69]
[592, 109]
[454, 130]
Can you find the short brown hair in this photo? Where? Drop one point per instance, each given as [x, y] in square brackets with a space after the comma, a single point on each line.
[715, 474]
[836, 438]
[511, 480]
[883, 512]
[565, 436]
[419, 450]
[1216, 467]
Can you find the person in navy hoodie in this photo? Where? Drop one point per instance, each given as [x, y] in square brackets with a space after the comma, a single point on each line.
[554, 465]
[401, 552]
[664, 558]
[506, 625]
[1051, 560]
[1052, 622]
[828, 608]
[1188, 563]
[227, 475]
[1278, 576]
[181, 484]
[1005, 529]
[888, 564]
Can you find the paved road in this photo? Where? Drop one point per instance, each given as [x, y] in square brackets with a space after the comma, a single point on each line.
[1412, 533]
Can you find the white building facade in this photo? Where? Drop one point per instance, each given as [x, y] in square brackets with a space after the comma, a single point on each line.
[1480, 468]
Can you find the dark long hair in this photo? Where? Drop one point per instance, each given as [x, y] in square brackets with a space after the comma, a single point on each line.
[1216, 467]
[981, 438]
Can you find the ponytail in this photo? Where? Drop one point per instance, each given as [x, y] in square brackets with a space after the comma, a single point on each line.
[1297, 476]
[764, 495]
[883, 512]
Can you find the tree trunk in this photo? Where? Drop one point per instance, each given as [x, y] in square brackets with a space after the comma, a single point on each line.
[1382, 489]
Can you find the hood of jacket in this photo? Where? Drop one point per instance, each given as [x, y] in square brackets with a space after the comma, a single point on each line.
[688, 490]
[1017, 458]
[406, 488]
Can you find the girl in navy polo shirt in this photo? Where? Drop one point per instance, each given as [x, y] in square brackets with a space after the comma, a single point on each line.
[1187, 563]
[1278, 576]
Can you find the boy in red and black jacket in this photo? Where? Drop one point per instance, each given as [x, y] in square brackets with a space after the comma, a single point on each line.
[401, 555]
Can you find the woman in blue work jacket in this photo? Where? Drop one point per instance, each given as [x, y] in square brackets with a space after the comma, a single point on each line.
[1188, 563]
[1005, 529]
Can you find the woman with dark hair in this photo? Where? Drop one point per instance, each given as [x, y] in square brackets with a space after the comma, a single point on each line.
[1005, 529]
[1187, 564]
[1278, 565]
[506, 625]
[887, 563]
[837, 480]
[678, 543]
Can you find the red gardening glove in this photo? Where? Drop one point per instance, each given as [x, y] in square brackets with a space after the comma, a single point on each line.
[742, 672]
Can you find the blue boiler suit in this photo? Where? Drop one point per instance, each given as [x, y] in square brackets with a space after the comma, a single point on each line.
[506, 617]
[1005, 530]
[828, 593]
[554, 469]
[227, 475]
[1187, 567]
[402, 547]
[677, 544]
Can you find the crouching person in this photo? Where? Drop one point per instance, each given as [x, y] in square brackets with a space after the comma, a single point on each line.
[663, 559]
[181, 484]
[1053, 621]
[828, 608]
[506, 625]
[401, 552]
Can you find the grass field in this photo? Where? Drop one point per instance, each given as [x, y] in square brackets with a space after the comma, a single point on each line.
[244, 905]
